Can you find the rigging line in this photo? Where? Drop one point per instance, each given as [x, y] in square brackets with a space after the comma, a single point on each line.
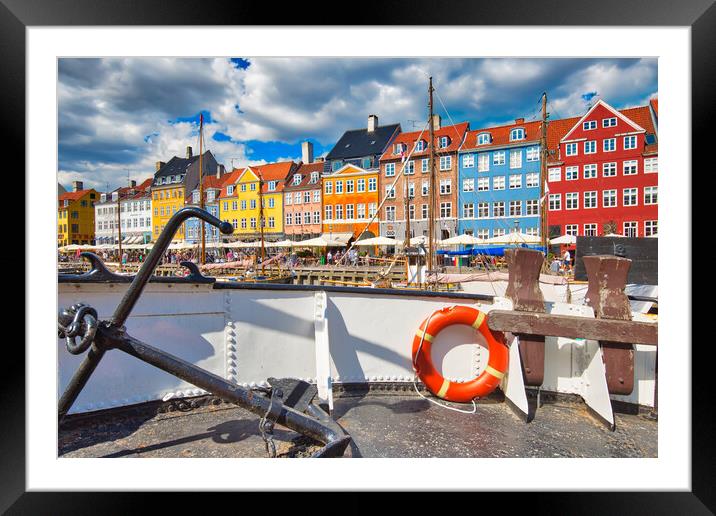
[392, 187]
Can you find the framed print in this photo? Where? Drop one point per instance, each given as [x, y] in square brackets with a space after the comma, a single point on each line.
[259, 232]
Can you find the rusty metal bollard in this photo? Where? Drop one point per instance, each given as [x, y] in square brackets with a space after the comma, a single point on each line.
[524, 267]
[607, 277]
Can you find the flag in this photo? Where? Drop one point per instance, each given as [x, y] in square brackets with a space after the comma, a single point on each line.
[402, 156]
[546, 192]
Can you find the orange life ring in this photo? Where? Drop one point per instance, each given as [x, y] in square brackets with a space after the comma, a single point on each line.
[434, 381]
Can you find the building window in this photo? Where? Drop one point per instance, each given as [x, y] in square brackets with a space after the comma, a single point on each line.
[651, 165]
[590, 199]
[329, 187]
[289, 219]
[609, 199]
[361, 211]
[483, 233]
[316, 217]
[390, 213]
[445, 162]
[390, 192]
[420, 145]
[445, 186]
[271, 187]
[483, 163]
[361, 185]
[411, 212]
[532, 180]
[498, 183]
[533, 154]
[425, 188]
[349, 187]
[329, 212]
[468, 210]
[532, 206]
[631, 229]
[515, 181]
[445, 209]
[590, 229]
[589, 125]
[425, 165]
[272, 202]
[650, 227]
[253, 187]
[390, 169]
[498, 209]
[630, 167]
[317, 193]
[349, 212]
[483, 138]
[483, 184]
[554, 175]
[398, 148]
[424, 211]
[571, 229]
[571, 149]
[650, 195]
[410, 167]
[372, 184]
[339, 211]
[609, 169]
[468, 185]
[411, 190]
[555, 202]
[339, 187]
[483, 210]
[515, 159]
[571, 173]
[498, 158]
[609, 145]
[468, 161]
[630, 142]
[252, 203]
[572, 200]
[517, 134]
[590, 147]
[590, 171]
[271, 222]
[515, 208]
[444, 142]
[253, 222]
[609, 122]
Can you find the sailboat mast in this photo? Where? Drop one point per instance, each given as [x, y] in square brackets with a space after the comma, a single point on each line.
[261, 219]
[543, 173]
[432, 197]
[201, 186]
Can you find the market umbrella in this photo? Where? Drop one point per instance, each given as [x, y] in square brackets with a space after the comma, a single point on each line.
[564, 239]
[514, 238]
[319, 242]
[280, 243]
[463, 239]
[614, 235]
[379, 240]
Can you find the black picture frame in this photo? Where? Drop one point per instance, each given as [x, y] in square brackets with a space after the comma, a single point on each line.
[700, 15]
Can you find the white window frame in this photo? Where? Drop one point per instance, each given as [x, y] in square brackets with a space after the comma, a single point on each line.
[590, 199]
[468, 161]
[571, 198]
[651, 196]
[554, 175]
[571, 146]
[609, 142]
[607, 197]
[609, 122]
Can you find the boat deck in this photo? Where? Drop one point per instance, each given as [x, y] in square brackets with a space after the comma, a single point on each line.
[381, 424]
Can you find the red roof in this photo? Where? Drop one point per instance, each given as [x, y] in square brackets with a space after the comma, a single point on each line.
[74, 196]
[655, 105]
[230, 179]
[501, 134]
[305, 169]
[273, 172]
[456, 133]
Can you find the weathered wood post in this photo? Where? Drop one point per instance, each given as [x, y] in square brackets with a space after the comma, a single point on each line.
[524, 266]
[607, 276]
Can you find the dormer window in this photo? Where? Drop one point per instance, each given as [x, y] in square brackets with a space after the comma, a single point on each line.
[297, 179]
[483, 138]
[399, 147]
[210, 195]
[271, 186]
[314, 177]
[115, 196]
[103, 198]
[230, 190]
[195, 197]
[517, 134]
[443, 142]
[421, 145]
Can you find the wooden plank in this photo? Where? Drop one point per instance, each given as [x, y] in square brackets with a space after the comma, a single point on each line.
[628, 332]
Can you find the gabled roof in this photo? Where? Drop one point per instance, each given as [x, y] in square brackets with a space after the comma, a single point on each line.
[501, 135]
[351, 169]
[269, 172]
[176, 166]
[456, 133]
[655, 105]
[357, 143]
[305, 169]
[75, 196]
[609, 108]
[230, 179]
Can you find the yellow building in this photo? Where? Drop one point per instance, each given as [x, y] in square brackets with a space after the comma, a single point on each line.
[239, 199]
[75, 216]
[172, 181]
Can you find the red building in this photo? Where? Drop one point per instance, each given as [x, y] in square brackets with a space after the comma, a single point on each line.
[602, 173]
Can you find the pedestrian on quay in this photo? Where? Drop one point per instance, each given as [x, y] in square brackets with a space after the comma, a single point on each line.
[329, 258]
[567, 261]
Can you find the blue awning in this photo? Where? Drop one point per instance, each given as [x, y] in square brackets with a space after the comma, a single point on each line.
[488, 250]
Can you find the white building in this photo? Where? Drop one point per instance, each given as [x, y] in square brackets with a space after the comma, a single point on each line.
[135, 215]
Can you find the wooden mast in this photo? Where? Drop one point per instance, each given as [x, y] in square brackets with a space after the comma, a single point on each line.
[432, 197]
[261, 218]
[201, 186]
[543, 173]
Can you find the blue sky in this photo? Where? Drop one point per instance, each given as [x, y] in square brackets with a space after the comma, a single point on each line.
[119, 116]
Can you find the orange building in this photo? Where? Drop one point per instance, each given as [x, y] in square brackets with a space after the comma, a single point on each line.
[350, 199]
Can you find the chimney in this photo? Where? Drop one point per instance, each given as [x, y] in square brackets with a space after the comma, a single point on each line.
[188, 151]
[159, 165]
[76, 186]
[307, 151]
[220, 171]
[372, 123]
[519, 120]
[436, 122]
[132, 184]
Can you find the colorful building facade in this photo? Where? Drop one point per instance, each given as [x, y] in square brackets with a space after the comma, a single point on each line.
[361, 147]
[302, 202]
[415, 181]
[603, 173]
[350, 199]
[499, 180]
[212, 186]
[240, 198]
[75, 215]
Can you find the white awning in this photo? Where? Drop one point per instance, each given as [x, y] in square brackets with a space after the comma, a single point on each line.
[343, 238]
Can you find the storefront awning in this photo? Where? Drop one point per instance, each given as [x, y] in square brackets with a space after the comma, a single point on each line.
[338, 237]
